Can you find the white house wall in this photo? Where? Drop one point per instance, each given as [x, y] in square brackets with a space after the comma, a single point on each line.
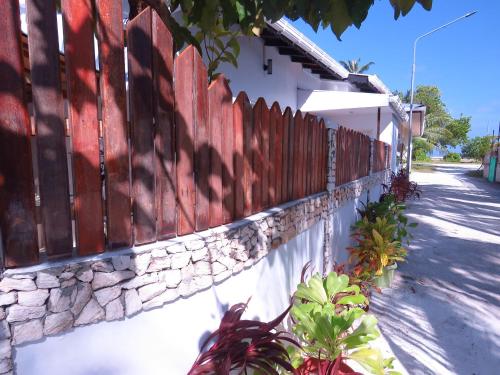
[280, 86]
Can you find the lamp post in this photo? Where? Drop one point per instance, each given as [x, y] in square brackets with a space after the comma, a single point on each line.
[408, 151]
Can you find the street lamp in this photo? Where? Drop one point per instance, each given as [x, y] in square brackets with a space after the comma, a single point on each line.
[408, 152]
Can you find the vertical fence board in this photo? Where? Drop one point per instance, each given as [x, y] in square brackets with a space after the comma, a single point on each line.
[215, 179]
[285, 123]
[288, 119]
[315, 155]
[202, 145]
[48, 108]
[276, 153]
[163, 69]
[82, 97]
[184, 127]
[142, 131]
[17, 196]
[303, 165]
[227, 154]
[239, 156]
[266, 167]
[271, 162]
[324, 155]
[242, 111]
[297, 155]
[389, 156]
[308, 172]
[257, 158]
[114, 122]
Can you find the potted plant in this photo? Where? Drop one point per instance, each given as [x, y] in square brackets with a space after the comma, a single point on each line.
[388, 207]
[376, 250]
[331, 326]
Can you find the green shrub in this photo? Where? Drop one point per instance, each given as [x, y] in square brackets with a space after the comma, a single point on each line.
[452, 156]
[421, 155]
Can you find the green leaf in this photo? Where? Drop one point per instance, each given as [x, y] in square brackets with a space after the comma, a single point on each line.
[335, 283]
[377, 238]
[340, 18]
[352, 300]
[312, 291]
[370, 359]
[219, 43]
[240, 9]
[364, 333]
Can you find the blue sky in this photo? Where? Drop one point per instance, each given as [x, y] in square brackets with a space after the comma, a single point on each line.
[463, 60]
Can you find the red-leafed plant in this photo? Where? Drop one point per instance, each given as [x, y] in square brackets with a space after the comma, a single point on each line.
[401, 187]
[242, 345]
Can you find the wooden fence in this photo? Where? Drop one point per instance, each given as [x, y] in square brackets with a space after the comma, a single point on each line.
[352, 156]
[380, 156]
[180, 158]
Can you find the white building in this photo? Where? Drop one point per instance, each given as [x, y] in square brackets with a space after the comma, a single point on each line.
[283, 65]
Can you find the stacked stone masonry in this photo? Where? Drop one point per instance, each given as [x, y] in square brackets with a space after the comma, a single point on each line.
[52, 299]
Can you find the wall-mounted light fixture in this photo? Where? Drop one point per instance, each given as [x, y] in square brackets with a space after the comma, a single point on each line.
[269, 66]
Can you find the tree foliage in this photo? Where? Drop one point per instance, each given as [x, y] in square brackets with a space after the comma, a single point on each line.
[458, 130]
[441, 129]
[477, 147]
[248, 17]
[353, 66]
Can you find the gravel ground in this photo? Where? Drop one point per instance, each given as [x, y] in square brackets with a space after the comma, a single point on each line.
[442, 315]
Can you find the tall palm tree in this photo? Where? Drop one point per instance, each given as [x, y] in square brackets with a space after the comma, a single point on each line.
[353, 66]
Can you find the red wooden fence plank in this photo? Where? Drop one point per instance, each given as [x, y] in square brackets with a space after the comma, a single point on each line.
[389, 156]
[215, 179]
[239, 125]
[265, 149]
[227, 154]
[319, 182]
[286, 124]
[276, 153]
[258, 158]
[315, 156]
[114, 122]
[309, 163]
[242, 111]
[297, 155]
[288, 119]
[48, 108]
[324, 155]
[202, 144]
[307, 157]
[163, 69]
[17, 197]
[271, 162]
[184, 126]
[142, 131]
[82, 97]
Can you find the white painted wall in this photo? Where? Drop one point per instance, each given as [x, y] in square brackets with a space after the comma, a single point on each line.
[280, 86]
[365, 123]
[166, 340]
[342, 220]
